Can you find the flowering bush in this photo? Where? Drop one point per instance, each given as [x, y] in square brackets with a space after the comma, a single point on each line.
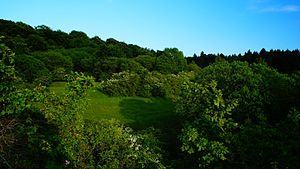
[146, 84]
[116, 146]
[121, 84]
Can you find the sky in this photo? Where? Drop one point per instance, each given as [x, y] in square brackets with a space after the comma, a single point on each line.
[192, 26]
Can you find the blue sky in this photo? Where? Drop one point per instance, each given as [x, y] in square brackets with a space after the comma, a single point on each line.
[212, 26]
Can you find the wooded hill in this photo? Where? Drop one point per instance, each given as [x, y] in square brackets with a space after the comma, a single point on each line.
[212, 111]
[41, 51]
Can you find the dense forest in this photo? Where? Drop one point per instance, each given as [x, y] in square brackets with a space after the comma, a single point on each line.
[236, 111]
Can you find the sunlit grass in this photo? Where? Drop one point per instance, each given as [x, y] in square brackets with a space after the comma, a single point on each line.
[137, 112]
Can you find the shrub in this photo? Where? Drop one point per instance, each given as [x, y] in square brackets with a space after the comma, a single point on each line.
[121, 84]
[30, 68]
[236, 80]
[116, 146]
[208, 125]
[146, 84]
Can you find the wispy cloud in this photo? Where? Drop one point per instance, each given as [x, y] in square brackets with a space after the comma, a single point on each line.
[272, 6]
[284, 8]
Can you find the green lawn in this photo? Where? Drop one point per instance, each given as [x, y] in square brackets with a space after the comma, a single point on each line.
[137, 112]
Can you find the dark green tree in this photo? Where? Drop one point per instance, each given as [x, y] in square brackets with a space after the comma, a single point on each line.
[30, 68]
[78, 39]
[171, 61]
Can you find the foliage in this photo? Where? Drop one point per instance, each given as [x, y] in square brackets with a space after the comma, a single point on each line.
[36, 43]
[54, 60]
[78, 39]
[208, 129]
[58, 64]
[22, 124]
[146, 61]
[237, 80]
[262, 92]
[116, 146]
[121, 84]
[48, 130]
[153, 85]
[161, 85]
[30, 68]
[7, 78]
[24, 39]
[137, 112]
[278, 92]
[83, 59]
[144, 84]
[104, 144]
[171, 61]
[265, 99]
[269, 146]
[106, 67]
[193, 67]
[7, 71]
[283, 61]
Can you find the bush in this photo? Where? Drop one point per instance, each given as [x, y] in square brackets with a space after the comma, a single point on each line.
[153, 85]
[30, 68]
[208, 125]
[116, 146]
[145, 84]
[54, 59]
[236, 80]
[121, 84]
[265, 132]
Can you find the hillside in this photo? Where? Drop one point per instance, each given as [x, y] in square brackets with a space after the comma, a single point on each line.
[71, 101]
[41, 51]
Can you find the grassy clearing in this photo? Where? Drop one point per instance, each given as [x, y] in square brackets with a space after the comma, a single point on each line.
[137, 112]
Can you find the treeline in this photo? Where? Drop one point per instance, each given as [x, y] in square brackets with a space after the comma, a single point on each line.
[41, 52]
[284, 61]
[44, 55]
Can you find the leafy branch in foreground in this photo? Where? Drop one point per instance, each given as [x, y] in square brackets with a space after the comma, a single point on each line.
[208, 129]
